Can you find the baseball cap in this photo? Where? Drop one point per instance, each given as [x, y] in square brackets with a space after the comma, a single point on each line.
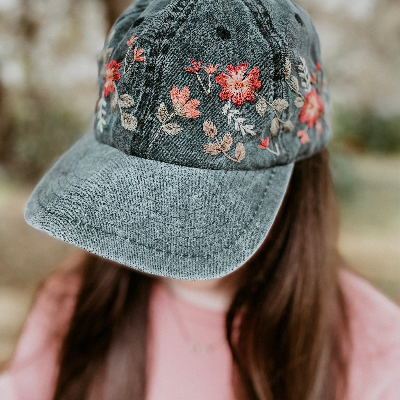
[204, 107]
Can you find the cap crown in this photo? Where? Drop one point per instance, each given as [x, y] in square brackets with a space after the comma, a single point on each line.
[215, 84]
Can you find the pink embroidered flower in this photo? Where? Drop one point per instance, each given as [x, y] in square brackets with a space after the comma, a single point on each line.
[237, 88]
[182, 106]
[137, 55]
[313, 78]
[210, 69]
[318, 66]
[312, 110]
[264, 143]
[112, 75]
[320, 128]
[304, 138]
[131, 40]
[196, 67]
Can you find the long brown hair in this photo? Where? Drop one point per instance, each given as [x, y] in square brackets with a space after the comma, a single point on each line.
[292, 312]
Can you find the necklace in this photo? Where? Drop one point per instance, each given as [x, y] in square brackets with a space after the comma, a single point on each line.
[193, 347]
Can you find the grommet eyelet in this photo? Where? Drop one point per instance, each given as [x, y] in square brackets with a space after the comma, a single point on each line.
[223, 33]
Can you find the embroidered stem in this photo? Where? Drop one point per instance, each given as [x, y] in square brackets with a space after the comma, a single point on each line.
[159, 129]
[101, 121]
[277, 152]
[223, 151]
[202, 85]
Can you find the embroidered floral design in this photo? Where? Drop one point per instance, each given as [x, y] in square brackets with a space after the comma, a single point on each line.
[128, 121]
[131, 40]
[311, 105]
[278, 106]
[137, 54]
[320, 128]
[210, 130]
[303, 135]
[112, 75]
[182, 108]
[195, 70]
[264, 146]
[312, 110]
[211, 69]
[235, 86]
[100, 113]
[239, 121]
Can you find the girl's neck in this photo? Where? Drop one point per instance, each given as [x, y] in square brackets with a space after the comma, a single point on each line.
[213, 294]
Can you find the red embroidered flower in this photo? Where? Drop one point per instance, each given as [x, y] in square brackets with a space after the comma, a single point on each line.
[196, 67]
[318, 66]
[137, 55]
[112, 75]
[264, 143]
[320, 128]
[210, 69]
[182, 106]
[312, 110]
[304, 138]
[131, 40]
[237, 88]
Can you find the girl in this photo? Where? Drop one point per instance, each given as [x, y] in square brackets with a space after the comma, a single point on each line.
[215, 272]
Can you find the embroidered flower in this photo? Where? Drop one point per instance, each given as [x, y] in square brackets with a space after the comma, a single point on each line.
[182, 106]
[320, 128]
[318, 66]
[112, 75]
[237, 88]
[304, 138]
[196, 67]
[210, 69]
[137, 55]
[264, 143]
[195, 70]
[131, 40]
[313, 78]
[312, 110]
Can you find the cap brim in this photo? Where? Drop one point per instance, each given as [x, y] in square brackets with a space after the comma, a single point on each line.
[160, 218]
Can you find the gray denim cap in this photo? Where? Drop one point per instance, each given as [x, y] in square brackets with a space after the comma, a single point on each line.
[204, 107]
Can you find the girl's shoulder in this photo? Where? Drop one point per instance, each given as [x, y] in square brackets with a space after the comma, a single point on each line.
[375, 340]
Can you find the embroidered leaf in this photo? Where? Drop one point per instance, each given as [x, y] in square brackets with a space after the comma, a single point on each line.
[114, 100]
[288, 126]
[231, 114]
[248, 129]
[226, 142]
[274, 127]
[226, 107]
[129, 122]
[295, 83]
[280, 105]
[299, 102]
[162, 113]
[240, 152]
[171, 128]
[288, 68]
[125, 101]
[238, 123]
[261, 107]
[212, 148]
[210, 129]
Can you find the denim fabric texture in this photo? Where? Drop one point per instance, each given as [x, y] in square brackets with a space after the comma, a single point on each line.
[187, 164]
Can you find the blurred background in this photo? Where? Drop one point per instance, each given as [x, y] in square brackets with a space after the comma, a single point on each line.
[48, 91]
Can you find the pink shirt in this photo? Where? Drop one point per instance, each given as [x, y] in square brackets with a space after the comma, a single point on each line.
[174, 372]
